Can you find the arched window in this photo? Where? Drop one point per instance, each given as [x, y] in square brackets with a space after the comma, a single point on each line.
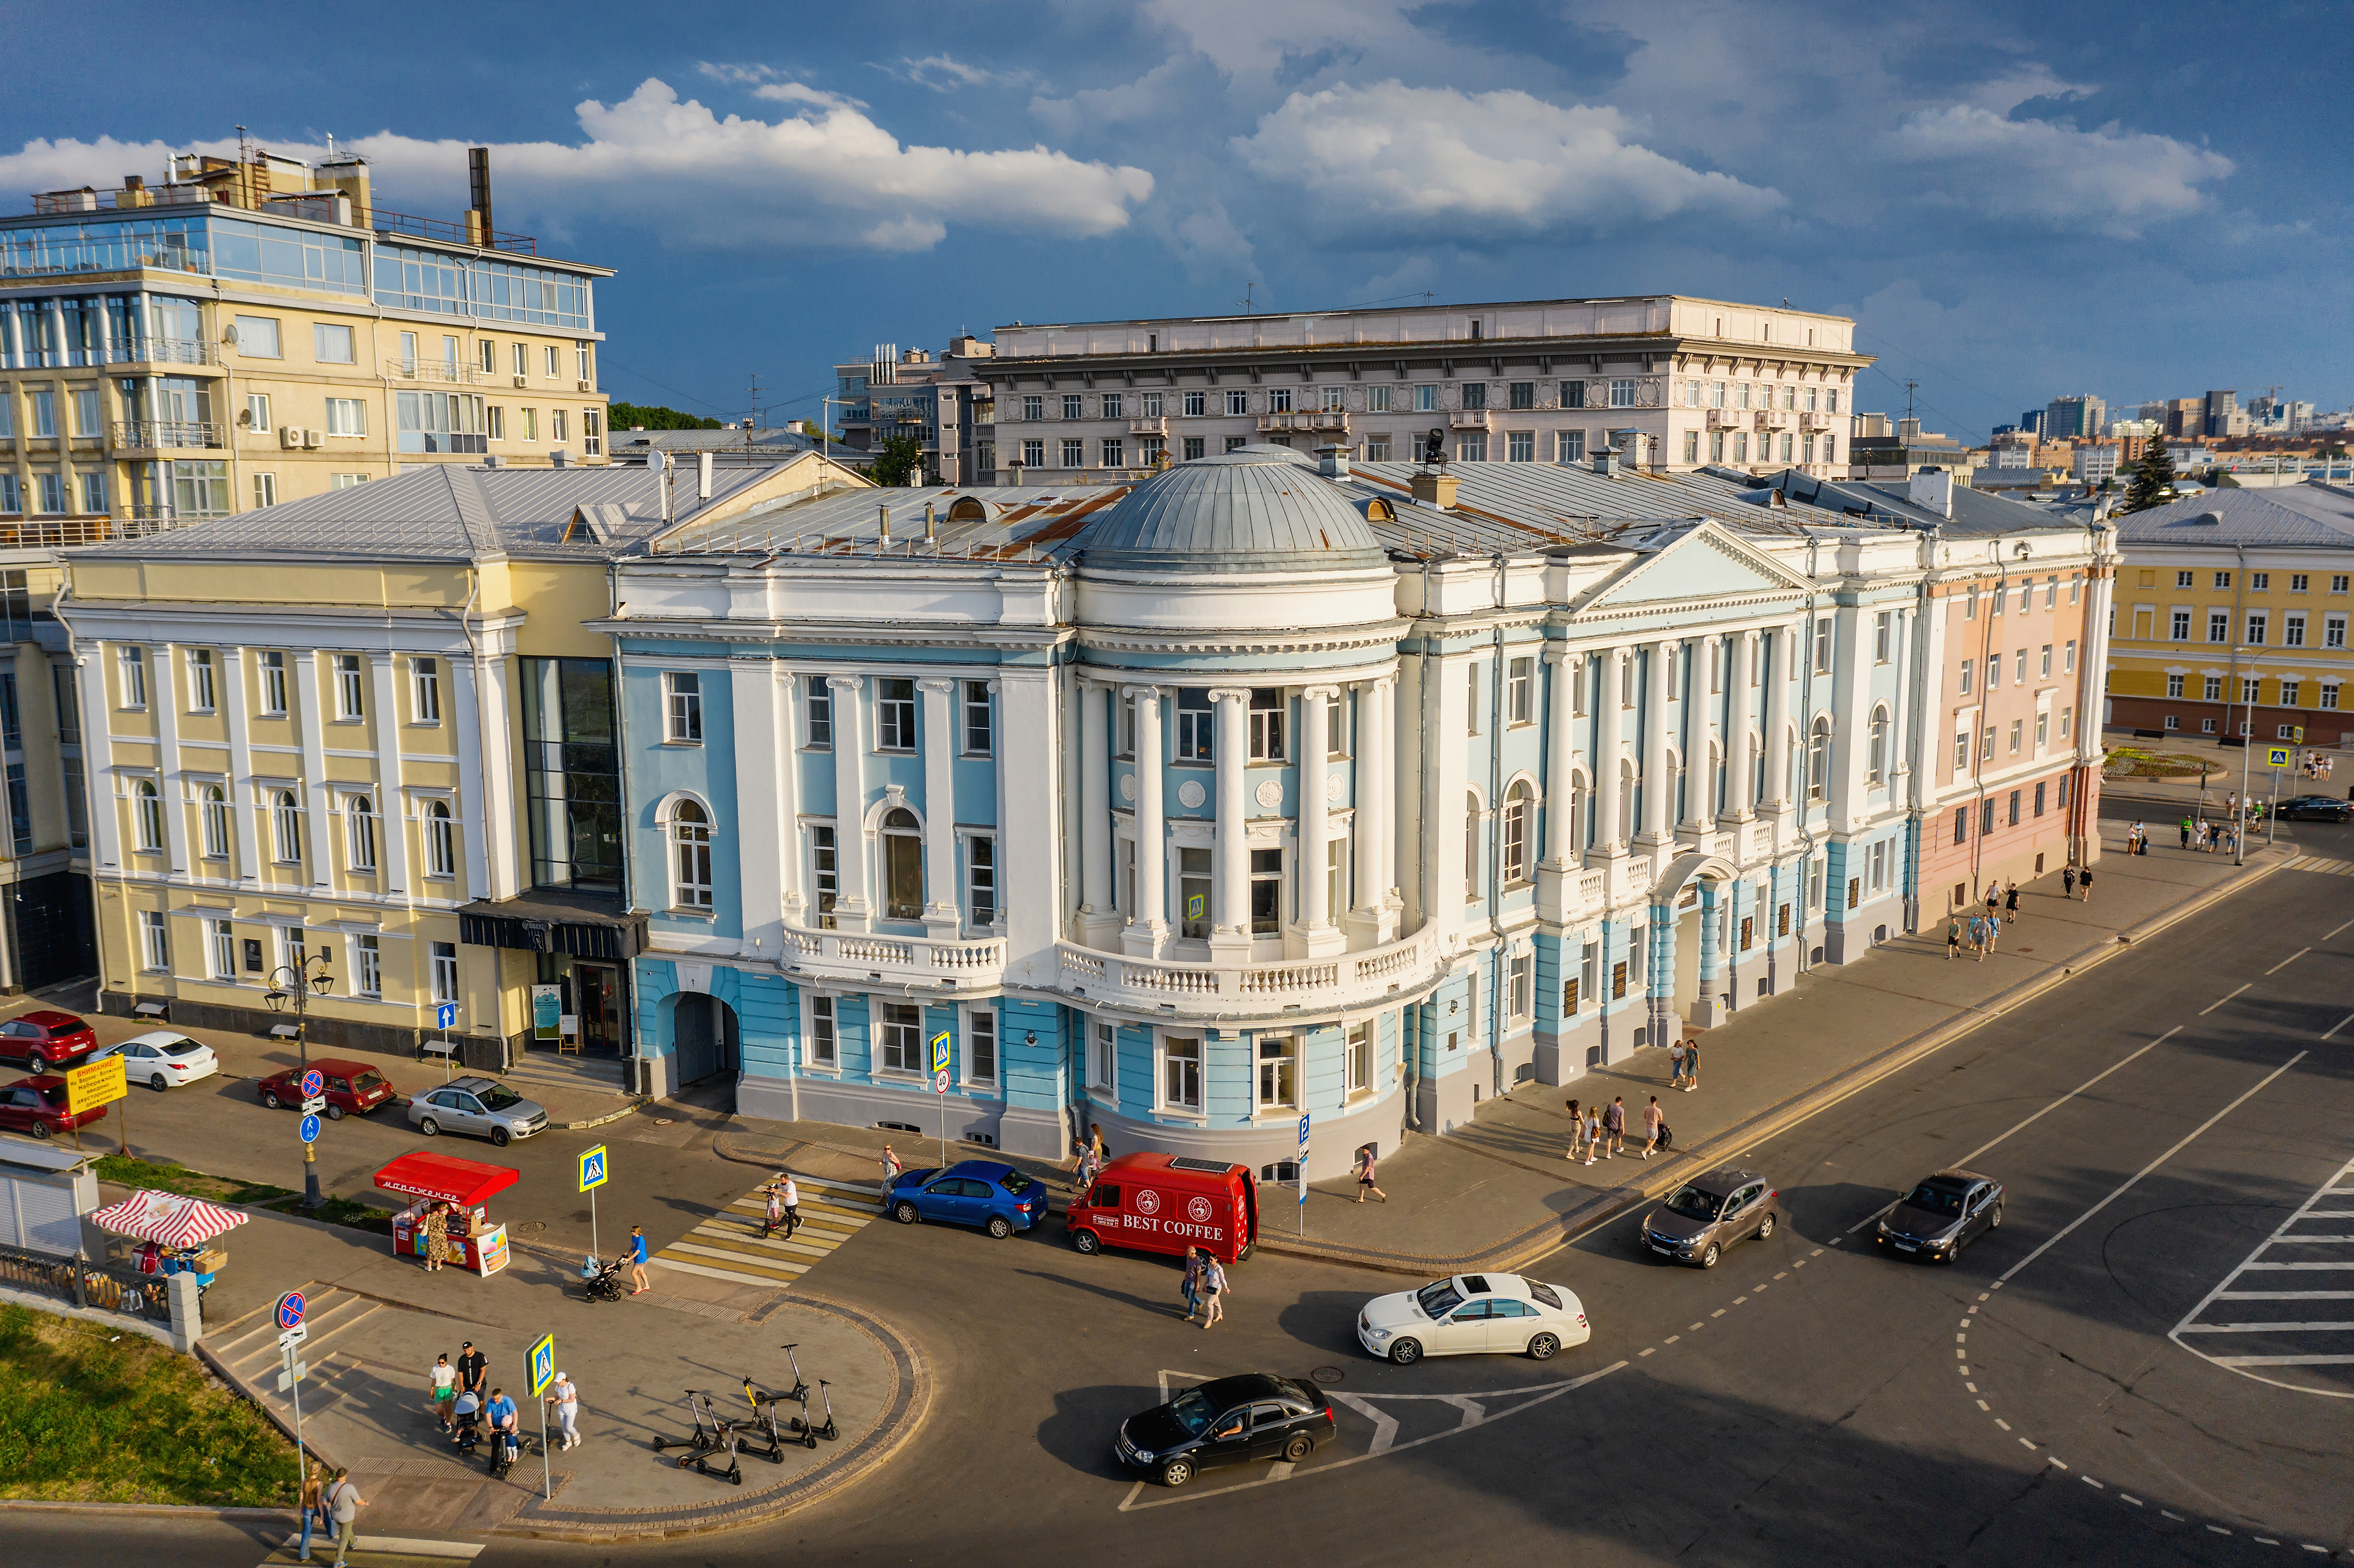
[1516, 834]
[1470, 846]
[903, 865]
[150, 806]
[286, 826]
[215, 822]
[690, 838]
[1879, 744]
[359, 833]
[441, 839]
[1818, 759]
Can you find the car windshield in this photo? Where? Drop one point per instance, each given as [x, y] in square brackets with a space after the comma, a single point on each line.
[1438, 1300]
[182, 1047]
[1936, 1200]
[1695, 1204]
[1015, 1183]
[1194, 1412]
[497, 1098]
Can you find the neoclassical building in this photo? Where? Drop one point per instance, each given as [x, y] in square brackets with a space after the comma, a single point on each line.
[1266, 787]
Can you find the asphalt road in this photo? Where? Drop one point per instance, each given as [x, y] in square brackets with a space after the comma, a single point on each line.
[2158, 1122]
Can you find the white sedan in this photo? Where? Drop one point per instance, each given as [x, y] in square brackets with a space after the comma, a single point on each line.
[1472, 1314]
[160, 1059]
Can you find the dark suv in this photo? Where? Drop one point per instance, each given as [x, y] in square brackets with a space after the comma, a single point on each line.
[1255, 1416]
[1710, 1212]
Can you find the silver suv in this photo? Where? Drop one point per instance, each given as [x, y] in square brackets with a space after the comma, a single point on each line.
[483, 1106]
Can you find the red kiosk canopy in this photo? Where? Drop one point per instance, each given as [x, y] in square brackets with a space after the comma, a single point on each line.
[464, 1182]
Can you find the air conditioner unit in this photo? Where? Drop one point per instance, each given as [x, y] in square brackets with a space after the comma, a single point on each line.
[290, 436]
[585, 386]
[312, 438]
[523, 380]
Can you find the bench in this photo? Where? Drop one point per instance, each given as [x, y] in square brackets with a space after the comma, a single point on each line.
[283, 1031]
[149, 1010]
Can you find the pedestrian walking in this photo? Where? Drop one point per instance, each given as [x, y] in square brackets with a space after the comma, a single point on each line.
[1614, 1122]
[445, 1388]
[501, 1415]
[472, 1367]
[564, 1399]
[1191, 1288]
[2010, 903]
[1953, 937]
[1676, 1063]
[1593, 1132]
[344, 1504]
[1654, 1119]
[1978, 936]
[638, 1283]
[1214, 1291]
[791, 1198]
[1577, 1126]
[1993, 930]
[1365, 1175]
[891, 1166]
[2186, 833]
[2068, 877]
[1691, 1064]
[2084, 884]
[1994, 901]
[1096, 1145]
[313, 1486]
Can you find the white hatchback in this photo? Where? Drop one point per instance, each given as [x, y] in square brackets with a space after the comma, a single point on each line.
[161, 1059]
[1473, 1314]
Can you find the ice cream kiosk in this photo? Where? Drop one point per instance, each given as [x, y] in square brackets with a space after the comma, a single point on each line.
[457, 1191]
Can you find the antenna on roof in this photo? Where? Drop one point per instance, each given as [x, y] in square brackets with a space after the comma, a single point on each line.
[1244, 301]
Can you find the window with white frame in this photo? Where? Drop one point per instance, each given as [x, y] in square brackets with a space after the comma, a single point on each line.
[1520, 693]
[902, 1037]
[441, 839]
[1102, 1057]
[819, 713]
[425, 691]
[1823, 645]
[825, 877]
[346, 417]
[824, 1038]
[443, 957]
[1518, 812]
[980, 722]
[223, 949]
[1197, 726]
[157, 939]
[1336, 726]
[1877, 861]
[286, 827]
[216, 815]
[203, 692]
[351, 687]
[367, 967]
[682, 703]
[981, 1046]
[273, 683]
[1360, 1053]
[1181, 1072]
[690, 838]
[359, 833]
[1877, 770]
[1266, 715]
[1519, 988]
[1277, 1073]
[147, 805]
[132, 660]
[980, 878]
[1818, 759]
[1336, 875]
[894, 714]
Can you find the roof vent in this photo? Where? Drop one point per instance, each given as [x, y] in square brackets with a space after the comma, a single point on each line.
[2208, 520]
[1606, 462]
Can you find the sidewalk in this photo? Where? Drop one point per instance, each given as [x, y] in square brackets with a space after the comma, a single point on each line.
[2182, 794]
[1836, 1030]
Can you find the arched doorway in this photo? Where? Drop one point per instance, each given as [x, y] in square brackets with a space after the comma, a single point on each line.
[1692, 900]
[704, 1038]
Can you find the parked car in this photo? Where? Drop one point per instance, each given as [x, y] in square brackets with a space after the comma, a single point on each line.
[483, 1106]
[38, 1105]
[984, 1192]
[354, 1088]
[46, 1038]
[1940, 1215]
[1471, 1314]
[1255, 1415]
[1165, 1203]
[1710, 1212]
[161, 1058]
[2314, 809]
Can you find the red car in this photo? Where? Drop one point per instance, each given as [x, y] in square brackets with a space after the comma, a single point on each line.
[46, 1038]
[352, 1087]
[38, 1106]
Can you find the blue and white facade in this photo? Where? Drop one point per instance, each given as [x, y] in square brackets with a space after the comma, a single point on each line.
[1255, 791]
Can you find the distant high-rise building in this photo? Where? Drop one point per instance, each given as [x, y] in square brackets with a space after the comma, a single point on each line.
[2217, 412]
[2184, 417]
[2069, 418]
[2032, 422]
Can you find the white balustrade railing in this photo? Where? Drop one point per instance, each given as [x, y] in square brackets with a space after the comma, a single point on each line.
[919, 957]
[1335, 981]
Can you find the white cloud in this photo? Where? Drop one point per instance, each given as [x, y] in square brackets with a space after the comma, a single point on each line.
[2051, 171]
[945, 73]
[827, 176]
[1478, 166]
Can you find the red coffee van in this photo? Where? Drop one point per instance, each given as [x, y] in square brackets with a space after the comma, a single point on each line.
[1161, 1202]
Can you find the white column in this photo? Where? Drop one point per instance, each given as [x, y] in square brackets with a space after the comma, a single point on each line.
[1315, 818]
[1701, 731]
[309, 696]
[1149, 919]
[1741, 746]
[1561, 723]
[853, 911]
[1658, 785]
[1387, 783]
[940, 913]
[91, 688]
[1030, 822]
[1099, 894]
[474, 836]
[1609, 749]
[496, 824]
[170, 787]
[1233, 896]
[751, 695]
[242, 815]
[1780, 664]
[392, 800]
[1373, 782]
[785, 704]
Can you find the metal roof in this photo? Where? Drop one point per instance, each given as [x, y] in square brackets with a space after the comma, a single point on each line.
[1974, 514]
[1029, 522]
[2315, 516]
[1257, 506]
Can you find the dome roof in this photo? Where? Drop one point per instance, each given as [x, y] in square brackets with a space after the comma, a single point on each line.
[1261, 508]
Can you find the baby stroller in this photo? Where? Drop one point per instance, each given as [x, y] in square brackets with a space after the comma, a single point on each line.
[506, 1446]
[466, 1424]
[602, 1281]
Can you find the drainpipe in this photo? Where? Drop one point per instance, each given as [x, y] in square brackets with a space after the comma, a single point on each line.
[1806, 755]
[1496, 841]
[1422, 832]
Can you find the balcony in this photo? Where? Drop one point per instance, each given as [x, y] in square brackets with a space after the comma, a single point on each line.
[172, 351]
[1153, 425]
[1815, 421]
[1471, 420]
[1725, 419]
[408, 225]
[1348, 979]
[165, 435]
[436, 370]
[911, 960]
[1305, 421]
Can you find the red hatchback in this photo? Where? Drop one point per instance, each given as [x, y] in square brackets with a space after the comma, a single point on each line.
[38, 1106]
[47, 1038]
[352, 1087]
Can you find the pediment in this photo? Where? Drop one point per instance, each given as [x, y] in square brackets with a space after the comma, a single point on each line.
[1709, 564]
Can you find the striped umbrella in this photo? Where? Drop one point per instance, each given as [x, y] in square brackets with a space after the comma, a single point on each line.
[167, 1219]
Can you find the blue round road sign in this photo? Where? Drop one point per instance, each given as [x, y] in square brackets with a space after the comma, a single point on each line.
[314, 1084]
[289, 1309]
[310, 1129]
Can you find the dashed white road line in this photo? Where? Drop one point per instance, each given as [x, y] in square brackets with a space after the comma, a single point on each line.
[2221, 1000]
[2288, 960]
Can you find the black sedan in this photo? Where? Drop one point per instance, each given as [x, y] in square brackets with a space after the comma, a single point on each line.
[2314, 809]
[1255, 1415]
[1940, 1215]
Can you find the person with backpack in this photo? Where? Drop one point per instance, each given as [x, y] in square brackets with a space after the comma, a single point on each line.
[314, 1485]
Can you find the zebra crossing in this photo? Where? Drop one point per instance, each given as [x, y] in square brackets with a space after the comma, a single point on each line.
[2285, 1315]
[2321, 864]
[728, 1245]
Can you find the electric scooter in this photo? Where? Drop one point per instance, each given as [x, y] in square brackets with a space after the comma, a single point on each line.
[800, 1385]
[707, 1427]
[726, 1447]
[764, 1439]
[828, 1431]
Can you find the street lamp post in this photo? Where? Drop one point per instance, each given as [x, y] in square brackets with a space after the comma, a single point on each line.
[293, 983]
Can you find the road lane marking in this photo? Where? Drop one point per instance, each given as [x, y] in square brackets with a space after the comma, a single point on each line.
[2313, 1328]
[2221, 1000]
[2222, 1291]
[2338, 1025]
[2286, 961]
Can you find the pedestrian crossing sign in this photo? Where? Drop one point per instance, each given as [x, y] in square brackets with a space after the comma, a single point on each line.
[941, 1052]
[2278, 757]
[592, 1168]
[540, 1364]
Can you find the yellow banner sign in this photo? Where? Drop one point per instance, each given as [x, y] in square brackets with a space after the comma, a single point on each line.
[101, 1083]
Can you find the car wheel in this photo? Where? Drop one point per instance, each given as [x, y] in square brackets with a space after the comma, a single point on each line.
[1542, 1348]
[38, 1062]
[501, 1137]
[1176, 1472]
[1765, 1225]
[1087, 1242]
[334, 1112]
[1994, 1220]
[904, 1211]
[270, 1098]
[40, 1129]
[430, 1128]
[158, 1083]
[1299, 1448]
[1406, 1352]
[1708, 1255]
[1955, 1255]
[998, 1227]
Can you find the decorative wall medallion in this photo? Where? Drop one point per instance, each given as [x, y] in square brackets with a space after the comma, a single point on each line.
[1334, 787]
[1269, 794]
[1190, 795]
[1128, 788]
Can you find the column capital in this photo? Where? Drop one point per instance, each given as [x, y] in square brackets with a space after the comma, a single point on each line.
[1230, 693]
[940, 683]
[1325, 694]
[846, 682]
[1556, 654]
[1142, 693]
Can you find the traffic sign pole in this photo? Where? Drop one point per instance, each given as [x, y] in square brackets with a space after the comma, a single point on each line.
[593, 1168]
[940, 1087]
[291, 1307]
[1299, 1173]
[539, 1369]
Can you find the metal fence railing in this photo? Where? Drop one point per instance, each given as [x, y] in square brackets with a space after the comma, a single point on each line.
[85, 1284]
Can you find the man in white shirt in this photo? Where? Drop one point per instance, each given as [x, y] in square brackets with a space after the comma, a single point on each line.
[792, 1200]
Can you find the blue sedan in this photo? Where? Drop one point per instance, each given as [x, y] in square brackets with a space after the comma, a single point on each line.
[984, 1192]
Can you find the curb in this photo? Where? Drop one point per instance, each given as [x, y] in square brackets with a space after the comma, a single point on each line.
[1614, 1203]
[634, 1105]
[151, 1510]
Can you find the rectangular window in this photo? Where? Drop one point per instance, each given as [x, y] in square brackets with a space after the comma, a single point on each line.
[682, 703]
[1425, 398]
[1276, 1070]
[257, 338]
[1881, 628]
[1519, 992]
[978, 726]
[2181, 579]
[425, 691]
[1194, 447]
[981, 1046]
[273, 683]
[2174, 686]
[331, 344]
[1074, 405]
[824, 1039]
[351, 687]
[45, 414]
[346, 417]
[201, 696]
[2257, 625]
[69, 705]
[2042, 723]
[1112, 408]
[1475, 394]
[2219, 626]
[367, 966]
[1521, 395]
[1238, 403]
[1519, 692]
[1267, 709]
[1622, 394]
[894, 714]
[1181, 1073]
[2018, 729]
[825, 875]
[1520, 446]
[2260, 582]
[2249, 685]
[2181, 628]
[1034, 454]
[1336, 875]
[2222, 580]
[2333, 631]
[1266, 893]
[551, 362]
[1823, 645]
[1103, 1058]
[902, 1038]
[2064, 715]
[1986, 817]
[87, 418]
[158, 939]
[2293, 629]
[1196, 405]
[265, 490]
[1961, 824]
[981, 879]
[1197, 726]
[2046, 668]
[2329, 697]
[1969, 673]
[1075, 452]
[1570, 446]
[2288, 693]
[223, 946]
[2214, 688]
[820, 719]
[1993, 671]
[1034, 407]
[444, 961]
[132, 660]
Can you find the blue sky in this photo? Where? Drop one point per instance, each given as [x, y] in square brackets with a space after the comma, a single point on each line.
[2014, 201]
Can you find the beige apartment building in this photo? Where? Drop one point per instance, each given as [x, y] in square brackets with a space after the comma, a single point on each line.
[1670, 382]
[255, 330]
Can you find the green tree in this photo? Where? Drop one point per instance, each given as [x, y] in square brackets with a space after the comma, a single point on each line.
[899, 459]
[654, 416]
[2153, 478]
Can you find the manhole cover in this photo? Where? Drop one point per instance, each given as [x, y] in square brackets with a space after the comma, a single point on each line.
[661, 1121]
[532, 1227]
[1328, 1375]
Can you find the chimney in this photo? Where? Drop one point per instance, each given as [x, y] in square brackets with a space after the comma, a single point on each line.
[1332, 461]
[702, 477]
[931, 525]
[478, 172]
[885, 513]
[1434, 489]
[1606, 462]
[1932, 489]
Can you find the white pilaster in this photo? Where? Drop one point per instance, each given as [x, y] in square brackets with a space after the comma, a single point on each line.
[1149, 921]
[1388, 782]
[751, 695]
[1315, 821]
[164, 696]
[307, 693]
[1659, 786]
[785, 704]
[1098, 913]
[1741, 716]
[852, 910]
[392, 800]
[1781, 667]
[476, 860]
[1029, 865]
[1232, 915]
[1609, 751]
[938, 701]
[1561, 762]
[1374, 780]
[243, 818]
[92, 687]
